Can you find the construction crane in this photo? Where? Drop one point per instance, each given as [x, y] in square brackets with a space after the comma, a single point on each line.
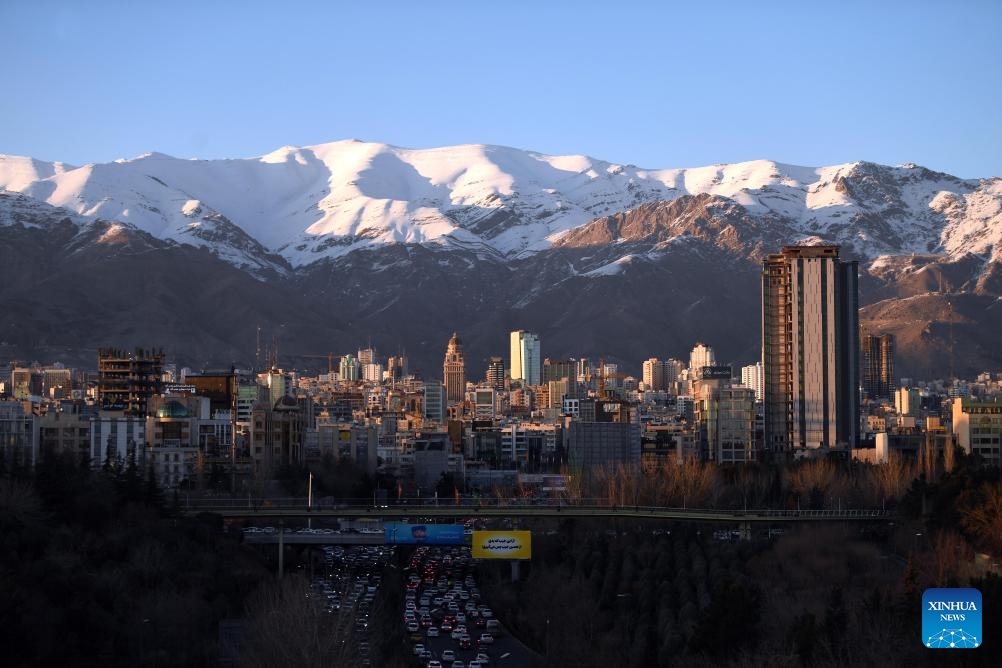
[602, 375]
[328, 356]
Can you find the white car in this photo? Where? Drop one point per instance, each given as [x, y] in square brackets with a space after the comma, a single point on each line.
[448, 655]
[432, 632]
[418, 648]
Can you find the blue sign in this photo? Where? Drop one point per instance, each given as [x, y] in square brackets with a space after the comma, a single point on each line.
[423, 534]
[951, 619]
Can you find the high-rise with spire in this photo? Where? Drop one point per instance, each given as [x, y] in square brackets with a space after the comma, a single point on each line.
[454, 370]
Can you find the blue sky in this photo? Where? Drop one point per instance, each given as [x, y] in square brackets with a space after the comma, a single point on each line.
[662, 84]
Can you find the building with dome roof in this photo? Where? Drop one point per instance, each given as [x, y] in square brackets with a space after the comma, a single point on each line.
[172, 438]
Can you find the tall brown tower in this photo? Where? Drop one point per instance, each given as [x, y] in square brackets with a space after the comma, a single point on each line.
[810, 350]
[454, 370]
[878, 366]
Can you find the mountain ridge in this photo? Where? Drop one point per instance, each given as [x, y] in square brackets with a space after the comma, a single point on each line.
[308, 204]
[484, 239]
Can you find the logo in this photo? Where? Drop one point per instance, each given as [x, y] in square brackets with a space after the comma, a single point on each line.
[951, 618]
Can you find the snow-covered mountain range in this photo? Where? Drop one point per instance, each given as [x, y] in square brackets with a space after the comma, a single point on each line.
[340, 242]
[297, 206]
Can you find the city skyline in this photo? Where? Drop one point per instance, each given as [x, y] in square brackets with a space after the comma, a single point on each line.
[469, 335]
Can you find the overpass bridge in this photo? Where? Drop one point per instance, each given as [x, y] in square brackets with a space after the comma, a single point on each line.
[299, 508]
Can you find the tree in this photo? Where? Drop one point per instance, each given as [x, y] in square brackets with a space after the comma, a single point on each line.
[982, 517]
[729, 623]
[289, 629]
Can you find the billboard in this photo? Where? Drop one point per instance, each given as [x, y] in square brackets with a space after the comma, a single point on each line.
[397, 533]
[502, 544]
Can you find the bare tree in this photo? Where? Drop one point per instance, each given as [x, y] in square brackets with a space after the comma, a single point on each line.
[289, 628]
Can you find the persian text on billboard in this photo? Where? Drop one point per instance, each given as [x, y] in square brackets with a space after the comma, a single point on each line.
[502, 545]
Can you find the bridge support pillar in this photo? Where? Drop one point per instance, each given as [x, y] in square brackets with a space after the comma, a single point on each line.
[745, 529]
[281, 547]
[515, 573]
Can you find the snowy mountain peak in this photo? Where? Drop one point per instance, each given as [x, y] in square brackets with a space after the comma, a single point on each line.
[321, 202]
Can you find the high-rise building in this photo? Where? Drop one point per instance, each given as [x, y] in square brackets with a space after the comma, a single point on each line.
[907, 401]
[559, 369]
[454, 370]
[396, 367]
[349, 369]
[751, 377]
[725, 418]
[367, 355]
[495, 373]
[878, 366]
[978, 427]
[701, 355]
[19, 435]
[434, 401]
[655, 374]
[485, 403]
[372, 372]
[525, 360]
[810, 350]
[127, 380]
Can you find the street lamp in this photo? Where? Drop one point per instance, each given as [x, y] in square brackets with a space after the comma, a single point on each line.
[547, 641]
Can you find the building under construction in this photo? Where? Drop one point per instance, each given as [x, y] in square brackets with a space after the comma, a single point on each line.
[127, 380]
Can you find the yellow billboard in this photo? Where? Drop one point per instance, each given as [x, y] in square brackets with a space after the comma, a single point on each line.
[502, 544]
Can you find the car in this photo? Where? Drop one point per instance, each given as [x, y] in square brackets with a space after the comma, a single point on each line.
[434, 663]
[426, 655]
[418, 648]
[457, 633]
[485, 639]
[432, 632]
[446, 626]
[412, 627]
[483, 658]
[458, 664]
[465, 642]
[448, 655]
